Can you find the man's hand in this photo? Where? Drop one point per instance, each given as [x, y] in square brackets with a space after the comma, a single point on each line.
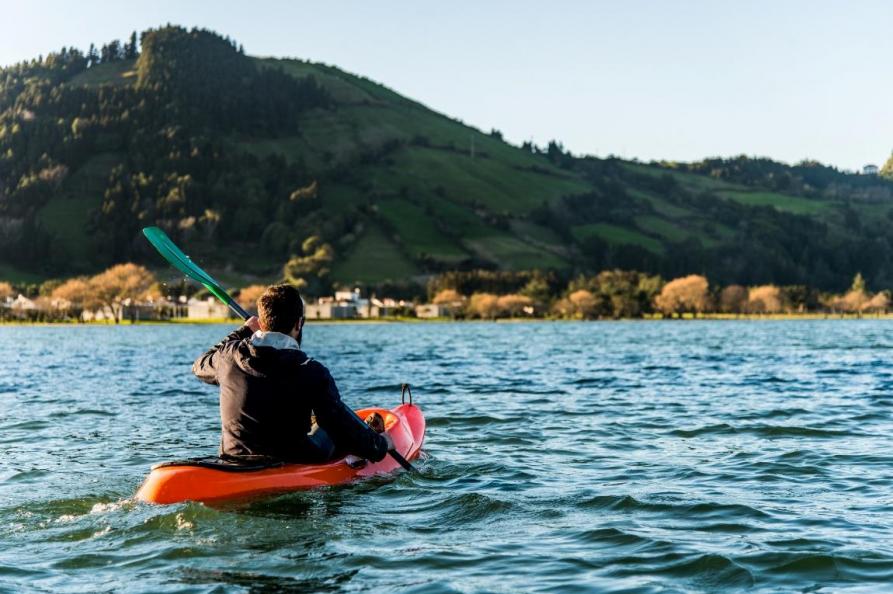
[253, 323]
[376, 423]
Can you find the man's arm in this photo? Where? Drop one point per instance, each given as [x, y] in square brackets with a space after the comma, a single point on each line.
[344, 425]
[205, 367]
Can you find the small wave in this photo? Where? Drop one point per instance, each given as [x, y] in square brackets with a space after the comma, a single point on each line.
[598, 382]
[761, 430]
[837, 371]
[259, 582]
[610, 536]
[26, 426]
[27, 476]
[795, 431]
[709, 570]
[387, 388]
[170, 392]
[701, 510]
[467, 420]
[824, 566]
[456, 510]
[85, 411]
[718, 429]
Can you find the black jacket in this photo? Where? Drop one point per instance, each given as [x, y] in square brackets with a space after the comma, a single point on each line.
[267, 396]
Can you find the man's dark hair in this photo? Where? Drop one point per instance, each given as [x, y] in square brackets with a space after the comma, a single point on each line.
[280, 308]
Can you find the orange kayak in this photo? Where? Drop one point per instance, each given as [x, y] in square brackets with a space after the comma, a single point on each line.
[175, 482]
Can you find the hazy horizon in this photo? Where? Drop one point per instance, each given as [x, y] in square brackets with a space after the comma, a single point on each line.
[644, 80]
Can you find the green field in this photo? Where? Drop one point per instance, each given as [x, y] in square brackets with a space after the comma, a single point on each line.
[513, 254]
[112, 73]
[617, 235]
[418, 231]
[373, 258]
[700, 183]
[666, 229]
[67, 213]
[794, 204]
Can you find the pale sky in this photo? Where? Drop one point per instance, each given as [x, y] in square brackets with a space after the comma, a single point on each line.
[649, 79]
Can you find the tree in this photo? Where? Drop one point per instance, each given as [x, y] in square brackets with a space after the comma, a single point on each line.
[448, 297]
[513, 305]
[880, 303]
[538, 290]
[6, 290]
[853, 301]
[484, 305]
[92, 56]
[733, 299]
[311, 268]
[764, 299]
[583, 304]
[130, 50]
[249, 295]
[74, 296]
[688, 294]
[119, 285]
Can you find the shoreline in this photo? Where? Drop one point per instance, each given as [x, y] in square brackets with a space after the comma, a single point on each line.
[412, 320]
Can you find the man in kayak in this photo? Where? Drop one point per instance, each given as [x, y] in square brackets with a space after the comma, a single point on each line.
[269, 389]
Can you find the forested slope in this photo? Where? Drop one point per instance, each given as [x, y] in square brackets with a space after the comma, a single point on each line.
[252, 163]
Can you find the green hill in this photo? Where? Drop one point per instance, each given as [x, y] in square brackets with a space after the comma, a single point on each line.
[243, 159]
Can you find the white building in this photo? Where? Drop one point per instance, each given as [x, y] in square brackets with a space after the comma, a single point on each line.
[432, 310]
[870, 170]
[349, 304]
[209, 309]
[22, 303]
[329, 310]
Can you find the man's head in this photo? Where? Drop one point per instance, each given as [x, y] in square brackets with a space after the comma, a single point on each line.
[280, 309]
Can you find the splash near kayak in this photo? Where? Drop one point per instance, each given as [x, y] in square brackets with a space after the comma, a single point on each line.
[215, 480]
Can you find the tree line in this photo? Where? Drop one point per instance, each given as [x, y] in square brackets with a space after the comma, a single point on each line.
[610, 294]
[619, 294]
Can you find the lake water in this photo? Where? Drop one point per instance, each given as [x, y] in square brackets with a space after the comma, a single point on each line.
[560, 457]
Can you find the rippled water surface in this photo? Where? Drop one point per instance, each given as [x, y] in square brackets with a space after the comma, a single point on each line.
[564, 457]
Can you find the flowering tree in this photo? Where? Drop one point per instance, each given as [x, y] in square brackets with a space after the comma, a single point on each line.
[249, 295]
[119, 284]
[513, 305]
[764, 299]
[688, 294]
[484, 305]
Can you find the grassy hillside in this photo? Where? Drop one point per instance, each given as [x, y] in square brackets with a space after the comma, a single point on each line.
[400, 191]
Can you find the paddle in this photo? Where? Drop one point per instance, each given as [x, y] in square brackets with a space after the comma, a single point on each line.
[175, 256]
[169, 250]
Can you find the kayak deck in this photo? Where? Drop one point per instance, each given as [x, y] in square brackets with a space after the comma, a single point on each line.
[175, 483]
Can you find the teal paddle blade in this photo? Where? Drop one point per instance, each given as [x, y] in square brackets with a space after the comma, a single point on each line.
[175, 256]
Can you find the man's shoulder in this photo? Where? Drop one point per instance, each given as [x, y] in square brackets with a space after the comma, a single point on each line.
[313, 366]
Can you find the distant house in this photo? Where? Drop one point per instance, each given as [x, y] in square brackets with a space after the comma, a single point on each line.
[21, 307]
[131, 310]
[22, 303]
[344, 305]
[348, 304]
[209, 309]
[329, 310]
[432, 310]
[870, 170]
